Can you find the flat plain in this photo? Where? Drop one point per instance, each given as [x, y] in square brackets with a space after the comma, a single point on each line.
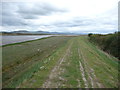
[58, 62]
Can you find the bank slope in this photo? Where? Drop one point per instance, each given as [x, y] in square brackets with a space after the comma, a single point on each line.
[78, 64]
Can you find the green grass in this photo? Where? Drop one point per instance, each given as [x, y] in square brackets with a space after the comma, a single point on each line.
[105, 67]
[25, 67]
[18, 60]
[40, 76]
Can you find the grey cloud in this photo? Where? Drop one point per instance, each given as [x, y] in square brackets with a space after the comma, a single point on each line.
[32, 12]
[12, 21]
[9, 15]
[17, 14]
[75, 22]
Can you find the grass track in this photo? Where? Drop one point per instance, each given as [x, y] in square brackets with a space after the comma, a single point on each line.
[71, 62]
[22, 60]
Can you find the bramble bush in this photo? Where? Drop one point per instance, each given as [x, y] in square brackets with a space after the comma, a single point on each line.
[109, 43]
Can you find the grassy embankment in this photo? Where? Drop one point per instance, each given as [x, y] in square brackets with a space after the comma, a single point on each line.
[74, 62]
[21, 60]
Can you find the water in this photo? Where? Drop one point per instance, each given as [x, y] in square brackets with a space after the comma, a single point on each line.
[21, 38]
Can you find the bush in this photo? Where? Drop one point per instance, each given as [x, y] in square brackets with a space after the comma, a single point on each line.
[90, 34]
[109, 43]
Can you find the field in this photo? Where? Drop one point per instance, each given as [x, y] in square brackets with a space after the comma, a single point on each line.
[63, 61]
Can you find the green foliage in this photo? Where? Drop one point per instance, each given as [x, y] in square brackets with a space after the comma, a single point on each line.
[109, 43]
[90, 34]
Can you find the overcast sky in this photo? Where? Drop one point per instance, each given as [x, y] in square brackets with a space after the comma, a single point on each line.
[77, 16]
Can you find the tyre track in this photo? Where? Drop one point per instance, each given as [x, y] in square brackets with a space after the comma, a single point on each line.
[56, 71]
[82, 71]
[92, 72]
[92, 77]
[88, 71]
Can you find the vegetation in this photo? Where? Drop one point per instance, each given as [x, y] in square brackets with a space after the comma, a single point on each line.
[90, 34]
[21, 60]
[108, 43]
[64, 62]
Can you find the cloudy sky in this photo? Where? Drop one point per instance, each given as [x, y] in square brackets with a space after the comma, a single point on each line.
[76, 16]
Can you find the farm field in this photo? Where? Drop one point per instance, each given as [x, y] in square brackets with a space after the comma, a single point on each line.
[58, 62]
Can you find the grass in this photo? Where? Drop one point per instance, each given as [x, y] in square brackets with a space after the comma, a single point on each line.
[105, 67]
[59, 57]
[40, 76]
[18, 60]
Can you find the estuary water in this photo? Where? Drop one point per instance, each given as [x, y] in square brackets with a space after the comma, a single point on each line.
[20, 38]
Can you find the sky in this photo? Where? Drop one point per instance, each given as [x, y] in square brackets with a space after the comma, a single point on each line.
[75, 16]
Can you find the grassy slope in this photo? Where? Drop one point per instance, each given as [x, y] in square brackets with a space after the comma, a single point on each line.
[105, 67]
[20, 61]
[77, 63]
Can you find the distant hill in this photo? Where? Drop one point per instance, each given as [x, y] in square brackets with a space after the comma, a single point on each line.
[20, 31]
[25, 32]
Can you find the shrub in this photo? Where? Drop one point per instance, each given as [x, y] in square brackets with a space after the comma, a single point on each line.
[109, 43]
[90, 34]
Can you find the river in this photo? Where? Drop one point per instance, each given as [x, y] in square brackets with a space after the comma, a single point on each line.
[21, 38]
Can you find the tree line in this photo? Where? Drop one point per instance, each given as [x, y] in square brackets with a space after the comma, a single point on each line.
[109, 43]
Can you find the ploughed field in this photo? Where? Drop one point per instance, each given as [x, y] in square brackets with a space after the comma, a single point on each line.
[61, 61]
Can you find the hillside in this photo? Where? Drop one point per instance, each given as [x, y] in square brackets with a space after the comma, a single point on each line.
[25, 32]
